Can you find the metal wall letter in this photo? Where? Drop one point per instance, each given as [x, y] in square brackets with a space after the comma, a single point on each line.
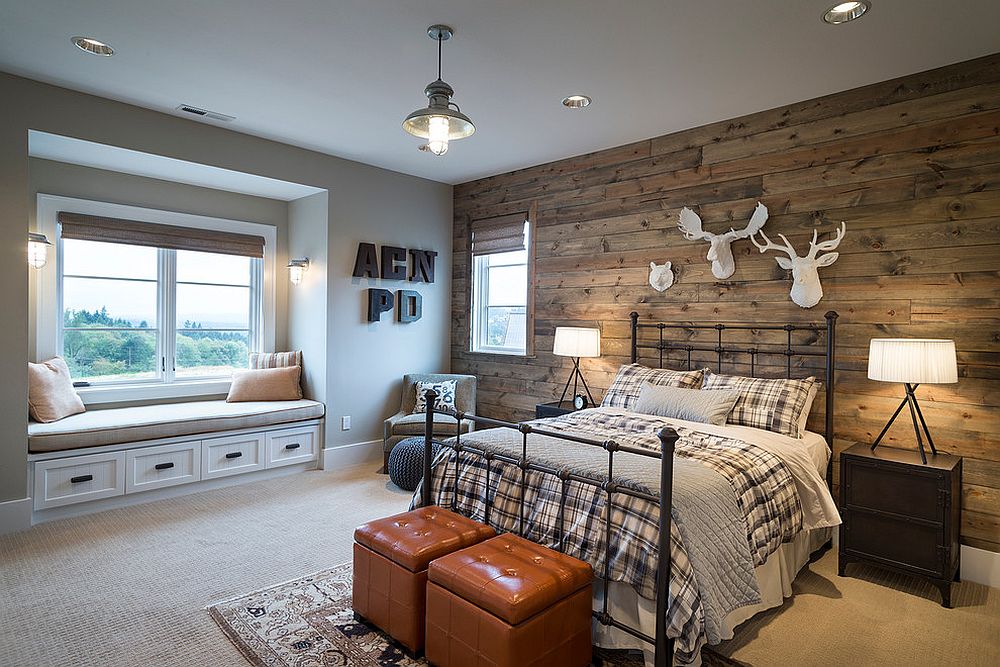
[393, 263]
[409, 307]
[366, 263]
[423, 266]
[379, 301]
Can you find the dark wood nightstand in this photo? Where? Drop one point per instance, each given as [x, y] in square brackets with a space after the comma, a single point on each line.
[901, 514]
[553, 409]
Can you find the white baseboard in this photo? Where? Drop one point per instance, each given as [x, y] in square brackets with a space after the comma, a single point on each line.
[980, 566]
[356, 453]
[15, 515]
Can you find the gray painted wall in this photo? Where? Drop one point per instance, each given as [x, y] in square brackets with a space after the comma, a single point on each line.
[364, 364]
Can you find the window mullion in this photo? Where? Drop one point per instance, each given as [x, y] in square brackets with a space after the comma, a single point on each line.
[168, 297]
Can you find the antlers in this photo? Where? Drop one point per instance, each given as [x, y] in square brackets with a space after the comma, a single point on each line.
[757, 221]
[826, 246]
[690, 224]
[814, 247]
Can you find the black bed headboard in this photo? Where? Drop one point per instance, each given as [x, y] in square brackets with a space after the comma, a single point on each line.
[817, 346]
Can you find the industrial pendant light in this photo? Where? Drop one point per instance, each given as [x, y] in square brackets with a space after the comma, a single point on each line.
[439, 123]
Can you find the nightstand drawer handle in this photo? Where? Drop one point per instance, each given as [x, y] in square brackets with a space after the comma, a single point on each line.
[292, 445]
[234, 455]
[81, 478]
[164, 466]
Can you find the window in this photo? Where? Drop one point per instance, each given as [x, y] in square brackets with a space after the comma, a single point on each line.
[144, 314]
[500, 257]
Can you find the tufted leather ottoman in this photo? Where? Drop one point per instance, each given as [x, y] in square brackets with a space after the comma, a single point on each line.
[508, 602]
[390, 566]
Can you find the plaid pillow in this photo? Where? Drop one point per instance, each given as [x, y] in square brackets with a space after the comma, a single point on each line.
[445, 395]
[773, 405]
[624, 390]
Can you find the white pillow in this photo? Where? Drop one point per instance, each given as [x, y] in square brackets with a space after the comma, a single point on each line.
[813, 390]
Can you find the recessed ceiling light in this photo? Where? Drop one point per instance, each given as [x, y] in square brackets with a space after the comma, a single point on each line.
[93, 46]
[846, 11]
[576, 101]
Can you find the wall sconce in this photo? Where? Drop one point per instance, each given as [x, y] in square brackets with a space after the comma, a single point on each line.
[38, 250]
[297, 269]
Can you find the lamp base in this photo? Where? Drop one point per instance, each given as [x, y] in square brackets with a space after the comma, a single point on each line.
[911, 400]
[575, 376]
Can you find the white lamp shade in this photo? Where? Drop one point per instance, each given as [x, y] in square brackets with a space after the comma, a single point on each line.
[912, 360]
[577, 342]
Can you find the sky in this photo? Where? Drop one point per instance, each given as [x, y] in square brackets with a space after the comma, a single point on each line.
[123, 279]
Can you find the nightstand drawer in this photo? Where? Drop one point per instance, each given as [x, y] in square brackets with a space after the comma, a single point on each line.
[909, 492]
[904, 544]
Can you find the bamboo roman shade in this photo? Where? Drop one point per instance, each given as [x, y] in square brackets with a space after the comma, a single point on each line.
[84, 227]
[503, 233]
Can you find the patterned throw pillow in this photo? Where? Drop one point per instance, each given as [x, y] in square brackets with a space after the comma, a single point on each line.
[445, 399]
[624, 390]
[773, 405]
[275, 359]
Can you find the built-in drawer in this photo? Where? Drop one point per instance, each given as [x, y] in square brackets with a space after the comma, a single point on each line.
[78, 479]
[166, 465]
[232, 455]
[292, 446]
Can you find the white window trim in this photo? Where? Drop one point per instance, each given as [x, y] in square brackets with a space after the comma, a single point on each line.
[480, 285]
[47, 297]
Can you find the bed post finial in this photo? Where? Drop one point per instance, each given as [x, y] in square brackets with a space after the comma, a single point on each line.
[430, 396]
[664, 645]
[634, 317]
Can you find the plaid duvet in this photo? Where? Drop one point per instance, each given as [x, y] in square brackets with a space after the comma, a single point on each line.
[764, 489]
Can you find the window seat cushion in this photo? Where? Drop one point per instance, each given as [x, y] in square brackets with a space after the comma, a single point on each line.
[96, 428]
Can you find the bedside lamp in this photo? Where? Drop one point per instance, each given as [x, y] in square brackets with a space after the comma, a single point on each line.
[577, 342]
[912, 361]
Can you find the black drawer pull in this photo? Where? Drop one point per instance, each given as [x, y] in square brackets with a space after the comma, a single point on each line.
[292, 445]
[81, 478]
[164, 466]
[234, 455]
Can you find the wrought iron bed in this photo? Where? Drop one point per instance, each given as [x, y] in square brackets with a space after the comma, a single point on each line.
[663, 645]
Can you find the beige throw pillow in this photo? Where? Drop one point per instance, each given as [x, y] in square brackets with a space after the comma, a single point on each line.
[266, 384]
[51, 396]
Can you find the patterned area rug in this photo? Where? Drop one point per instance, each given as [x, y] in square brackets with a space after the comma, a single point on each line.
[308, 622]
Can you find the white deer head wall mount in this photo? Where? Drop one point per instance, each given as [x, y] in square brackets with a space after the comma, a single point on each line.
[720, 253]
[660, 276]
[806, 288]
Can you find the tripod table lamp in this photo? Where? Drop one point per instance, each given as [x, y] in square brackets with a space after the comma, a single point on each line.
[577, 342]
[912, 362]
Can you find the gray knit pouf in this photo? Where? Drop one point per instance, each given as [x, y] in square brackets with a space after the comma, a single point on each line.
[406, 462]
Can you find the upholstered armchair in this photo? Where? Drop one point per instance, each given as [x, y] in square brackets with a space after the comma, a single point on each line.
[405, 424]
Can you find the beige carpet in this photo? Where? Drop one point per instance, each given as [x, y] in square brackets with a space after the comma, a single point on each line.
[129, 586]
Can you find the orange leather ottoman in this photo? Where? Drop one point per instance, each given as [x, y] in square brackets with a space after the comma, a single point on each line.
[508, 602]
[390, 566]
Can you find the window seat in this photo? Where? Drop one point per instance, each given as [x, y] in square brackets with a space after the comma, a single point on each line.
[97, 428]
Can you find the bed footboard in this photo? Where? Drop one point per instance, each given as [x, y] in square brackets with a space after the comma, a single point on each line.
[663, 645]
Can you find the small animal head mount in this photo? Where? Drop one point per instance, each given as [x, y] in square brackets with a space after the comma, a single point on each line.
[720, 252]
[806, 288]
[660, 277]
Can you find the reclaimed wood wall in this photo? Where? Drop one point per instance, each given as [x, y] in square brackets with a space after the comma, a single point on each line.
[912, 165]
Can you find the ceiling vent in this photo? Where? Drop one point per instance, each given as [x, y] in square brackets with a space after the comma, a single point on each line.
[214, 115]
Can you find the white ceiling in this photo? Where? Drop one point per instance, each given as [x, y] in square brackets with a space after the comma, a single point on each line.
[339, 76]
